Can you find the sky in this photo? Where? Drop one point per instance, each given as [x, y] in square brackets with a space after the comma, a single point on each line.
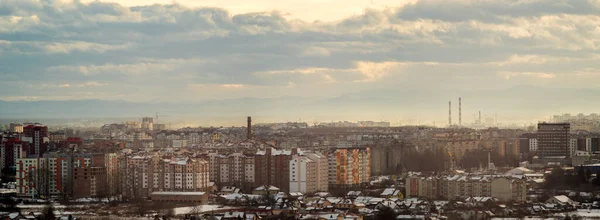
[188, 50]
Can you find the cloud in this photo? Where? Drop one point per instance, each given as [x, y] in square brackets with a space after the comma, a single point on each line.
[538, 75]
[161, 51]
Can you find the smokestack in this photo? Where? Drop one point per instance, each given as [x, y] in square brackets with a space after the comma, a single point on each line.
[479, 117]
[449, 113]
[459, 111]
[249, 134]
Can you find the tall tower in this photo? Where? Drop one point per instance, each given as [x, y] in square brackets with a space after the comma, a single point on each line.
[449, 113]
[249, 131]
[459, 111]
[479, 117]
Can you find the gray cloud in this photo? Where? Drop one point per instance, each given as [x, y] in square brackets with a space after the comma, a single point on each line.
[163, 51]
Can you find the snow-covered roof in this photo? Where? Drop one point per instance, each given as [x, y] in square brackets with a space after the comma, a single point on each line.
[179, 193]
[519, 171]
[388, 192]
[562, 199]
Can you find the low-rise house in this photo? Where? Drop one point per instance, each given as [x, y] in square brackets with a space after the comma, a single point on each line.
[562, 200]
[392, 193]
[266, 190]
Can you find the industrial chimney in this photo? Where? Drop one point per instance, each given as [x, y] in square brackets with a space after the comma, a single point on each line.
[450, 113]
[459, 111]
[249, 132]
[479, 117]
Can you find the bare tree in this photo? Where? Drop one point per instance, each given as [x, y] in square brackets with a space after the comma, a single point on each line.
[195, 211]
[141, 207]
[48, 213]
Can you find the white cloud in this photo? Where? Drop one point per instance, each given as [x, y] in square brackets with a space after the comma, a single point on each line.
[538, 75]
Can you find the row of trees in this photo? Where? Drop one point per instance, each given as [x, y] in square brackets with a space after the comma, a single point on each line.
[580, 178]
[427, 161]
[479, 158]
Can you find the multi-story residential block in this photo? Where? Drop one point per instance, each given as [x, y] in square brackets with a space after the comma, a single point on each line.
[272, 167]
[235, 169]
[79, 175]
[322, 170]
[303, 175]
[147, 174]
[504, 188]
[349, 166]
[37, 136]
[30, 176]
[16, 127]
[11, 150]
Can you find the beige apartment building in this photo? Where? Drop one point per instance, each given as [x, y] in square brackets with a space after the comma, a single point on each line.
[234, 169]
[504, 188]
[143, 175]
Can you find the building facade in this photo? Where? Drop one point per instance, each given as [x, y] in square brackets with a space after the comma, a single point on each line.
[303, 175]
[235, 169]
[144, 175]
[349, 166]
[553, 139]
[504, 188]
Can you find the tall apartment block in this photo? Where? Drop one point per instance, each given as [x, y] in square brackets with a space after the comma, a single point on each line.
[31, 176]
[235, 169]
[37, 136]
[308, 173]
[349, 166]
[143, 175]
[272, 167]
[11, 150]
[553, 139]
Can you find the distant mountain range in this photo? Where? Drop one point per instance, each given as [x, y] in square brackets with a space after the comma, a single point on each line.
[517, 103]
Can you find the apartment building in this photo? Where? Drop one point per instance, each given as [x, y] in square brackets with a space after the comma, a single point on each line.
[272, 167]
[79, 175]
[11, 150]
[504, 188]
[322, 170]
[349, 166]
[37, 136]
[303, 174]
[235, 169]
[144, 175]
[30, 176]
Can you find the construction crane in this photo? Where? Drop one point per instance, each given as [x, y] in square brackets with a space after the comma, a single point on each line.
[157, 115]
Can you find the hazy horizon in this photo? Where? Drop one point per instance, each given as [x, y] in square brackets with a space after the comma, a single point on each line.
[398, 61]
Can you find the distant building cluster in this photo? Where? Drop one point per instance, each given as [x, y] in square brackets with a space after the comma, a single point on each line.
[346, 124]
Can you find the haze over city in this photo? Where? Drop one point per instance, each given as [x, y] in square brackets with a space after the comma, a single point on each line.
[399, 61]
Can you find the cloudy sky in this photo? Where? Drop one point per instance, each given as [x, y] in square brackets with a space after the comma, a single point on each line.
[188, 50]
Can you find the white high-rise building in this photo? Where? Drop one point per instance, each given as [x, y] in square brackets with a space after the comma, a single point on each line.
[303, 172]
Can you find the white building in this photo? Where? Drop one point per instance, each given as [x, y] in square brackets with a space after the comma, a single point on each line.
[303, 172]
[572, 146]
[29, 175]
[533, 144]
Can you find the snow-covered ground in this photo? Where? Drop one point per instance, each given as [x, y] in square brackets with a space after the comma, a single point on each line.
[201, 208]
[586, 213]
